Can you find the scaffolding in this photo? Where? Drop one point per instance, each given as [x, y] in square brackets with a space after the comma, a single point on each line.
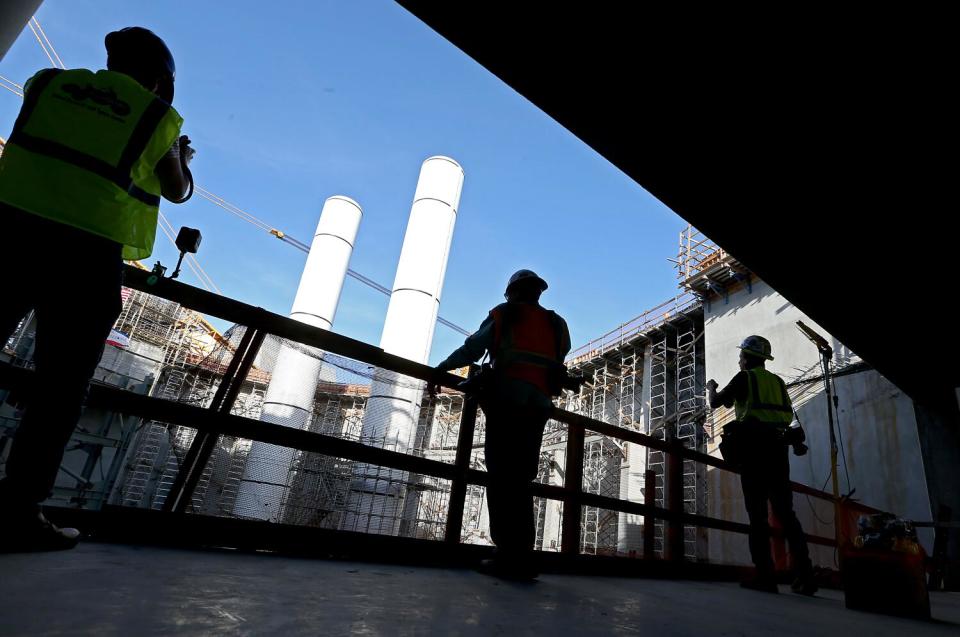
[152, 346]
[601, 475]
[191, 357]
[704, 268]
[319, 484]
[689, 429]
[656, 425]
[628, 384]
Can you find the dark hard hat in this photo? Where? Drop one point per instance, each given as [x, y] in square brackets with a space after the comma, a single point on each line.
[525, 275]
[757, 346]
[141, 53]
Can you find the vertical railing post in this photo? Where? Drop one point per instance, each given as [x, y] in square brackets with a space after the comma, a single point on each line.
[573, 484]
[649, 522]
[674, 497]
[939, 560]
[458, 487]
[204, 443]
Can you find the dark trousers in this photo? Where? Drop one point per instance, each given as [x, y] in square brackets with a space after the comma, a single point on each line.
[512, 451]
[765, 478]
[71, 280]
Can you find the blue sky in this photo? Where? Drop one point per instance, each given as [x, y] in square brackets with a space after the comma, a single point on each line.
[287, 108]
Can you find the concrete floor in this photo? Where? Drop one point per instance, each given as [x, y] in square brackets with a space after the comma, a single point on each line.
[107, 589]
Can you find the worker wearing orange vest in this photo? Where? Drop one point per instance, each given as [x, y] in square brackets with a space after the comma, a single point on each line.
[527, 345]
[81, 177]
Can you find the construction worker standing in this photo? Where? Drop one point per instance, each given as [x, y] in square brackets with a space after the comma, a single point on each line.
[527, 345]
[757, 444]
[81, 177]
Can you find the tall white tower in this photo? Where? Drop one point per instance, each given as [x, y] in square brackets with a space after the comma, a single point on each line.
[390, 418]
[289, 397]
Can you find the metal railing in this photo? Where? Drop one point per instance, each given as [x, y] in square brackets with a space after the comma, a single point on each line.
[651, 319]
[216, 420]
[695, 254]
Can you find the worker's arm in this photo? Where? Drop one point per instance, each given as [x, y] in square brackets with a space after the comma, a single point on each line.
[736, 388]
[472, 349]
[470, 352]
[565, 344]
[171, 170]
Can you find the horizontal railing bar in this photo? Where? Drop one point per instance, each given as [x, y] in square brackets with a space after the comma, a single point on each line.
[147, 407]
[554, 492]
[646, 440]
[277, 325]
[205, 420]
[259, 318]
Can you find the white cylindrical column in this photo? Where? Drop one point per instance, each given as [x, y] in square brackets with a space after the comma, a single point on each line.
[289, 397]
[14, 15]
[390, 418]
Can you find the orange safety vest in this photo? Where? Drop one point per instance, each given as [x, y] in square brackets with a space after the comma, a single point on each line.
[526, 345]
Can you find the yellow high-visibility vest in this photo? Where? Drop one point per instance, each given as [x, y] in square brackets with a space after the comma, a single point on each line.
[767, 399]
[83, 152]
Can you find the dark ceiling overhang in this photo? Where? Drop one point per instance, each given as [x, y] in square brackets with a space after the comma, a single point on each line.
[816, 147]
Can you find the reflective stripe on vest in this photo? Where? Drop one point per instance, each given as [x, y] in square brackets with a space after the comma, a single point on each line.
[767, 399]
[83, 151]
[525, 344]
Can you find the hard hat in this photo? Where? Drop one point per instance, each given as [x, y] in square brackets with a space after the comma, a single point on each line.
[142, 54]
[525, 275]
[757, 346]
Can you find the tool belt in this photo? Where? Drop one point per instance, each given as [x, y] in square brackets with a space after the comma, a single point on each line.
[741, 438]
[480, 383]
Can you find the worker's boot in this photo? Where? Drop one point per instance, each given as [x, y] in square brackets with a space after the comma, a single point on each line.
[805, 583]
[515, 568]
[760, 581]
[25, 531]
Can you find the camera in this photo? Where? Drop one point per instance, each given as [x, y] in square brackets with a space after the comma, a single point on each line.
[795, 437]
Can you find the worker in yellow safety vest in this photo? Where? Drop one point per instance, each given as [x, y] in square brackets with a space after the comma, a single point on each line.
[81, 177]
[756, 443]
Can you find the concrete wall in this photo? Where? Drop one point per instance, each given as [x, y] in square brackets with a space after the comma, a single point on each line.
[876, 420]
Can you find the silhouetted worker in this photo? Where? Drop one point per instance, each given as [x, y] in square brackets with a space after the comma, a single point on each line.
[527, 345]
[81, 178]
[757, 443]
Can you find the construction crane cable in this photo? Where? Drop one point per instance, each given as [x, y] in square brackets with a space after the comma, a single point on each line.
[238, 213]
[13, 90]
[9, 81]
[229, 207]
[42, 45]
[49, 43]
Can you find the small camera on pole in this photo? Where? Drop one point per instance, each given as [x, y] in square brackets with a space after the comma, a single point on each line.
[188, 241]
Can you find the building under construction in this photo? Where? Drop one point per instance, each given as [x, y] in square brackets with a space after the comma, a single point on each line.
[279, 435]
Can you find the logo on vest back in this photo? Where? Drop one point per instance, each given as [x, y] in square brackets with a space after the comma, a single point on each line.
[99, 97]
